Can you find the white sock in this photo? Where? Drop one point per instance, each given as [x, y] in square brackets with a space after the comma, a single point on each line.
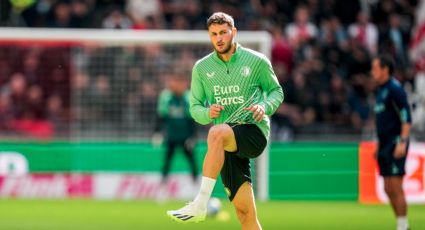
[402, 223]
[207, 186]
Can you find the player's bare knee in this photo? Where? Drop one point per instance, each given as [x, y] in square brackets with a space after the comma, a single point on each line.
[242, 215]
[217, 133]
[246, 214]
[390, 191]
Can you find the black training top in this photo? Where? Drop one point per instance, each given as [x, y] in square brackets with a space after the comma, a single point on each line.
[391, 109]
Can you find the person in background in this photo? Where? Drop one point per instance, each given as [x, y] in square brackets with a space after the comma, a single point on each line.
[393, 122]
[178, 125]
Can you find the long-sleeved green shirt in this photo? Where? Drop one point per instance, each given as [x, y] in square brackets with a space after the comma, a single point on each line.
[246, 79]
[174, 111]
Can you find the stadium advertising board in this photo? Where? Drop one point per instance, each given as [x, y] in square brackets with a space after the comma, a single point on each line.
[18, 179]
[371, 185]
[99, 186]
[46, 186]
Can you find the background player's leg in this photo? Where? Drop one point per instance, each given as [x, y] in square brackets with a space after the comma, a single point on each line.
[188, 151]
[394, 190]
[246, 211]
[167, 161]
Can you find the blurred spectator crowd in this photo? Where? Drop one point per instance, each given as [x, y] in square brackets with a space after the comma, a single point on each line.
[321, 53]
[34, 90]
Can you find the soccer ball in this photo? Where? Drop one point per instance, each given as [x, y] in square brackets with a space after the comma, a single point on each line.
[213, 207]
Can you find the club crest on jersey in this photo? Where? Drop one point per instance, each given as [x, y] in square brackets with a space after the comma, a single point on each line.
[245, 71]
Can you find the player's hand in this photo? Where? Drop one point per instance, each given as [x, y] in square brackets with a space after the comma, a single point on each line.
[215, 110]
[258, 112]
[400, 150]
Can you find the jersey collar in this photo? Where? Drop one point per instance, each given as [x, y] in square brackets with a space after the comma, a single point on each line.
[232, 58]
[386, 82]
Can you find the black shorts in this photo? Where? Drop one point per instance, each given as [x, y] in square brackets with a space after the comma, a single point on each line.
[250, 143]
[388, 165]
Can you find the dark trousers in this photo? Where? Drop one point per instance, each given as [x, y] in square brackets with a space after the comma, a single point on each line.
[169, 154]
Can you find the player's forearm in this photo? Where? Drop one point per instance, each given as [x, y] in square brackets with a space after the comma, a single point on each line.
[271, 86]
[273, 101]
[196, 100]
[405, 131]
[200, 114]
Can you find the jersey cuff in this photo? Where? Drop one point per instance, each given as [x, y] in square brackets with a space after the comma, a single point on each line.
[266, 110]
[207, 115]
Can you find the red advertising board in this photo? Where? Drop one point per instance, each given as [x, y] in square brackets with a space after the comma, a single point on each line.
[99, 185]
[46, 186]
[371, 186]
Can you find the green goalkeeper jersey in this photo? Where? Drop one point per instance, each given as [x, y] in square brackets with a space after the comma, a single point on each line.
[246, 79]
[174, 111]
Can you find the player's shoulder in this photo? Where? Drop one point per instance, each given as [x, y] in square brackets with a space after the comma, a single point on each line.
[253, 55]
[395, 86]
[204, 60]
[165, 93]
[187, 95]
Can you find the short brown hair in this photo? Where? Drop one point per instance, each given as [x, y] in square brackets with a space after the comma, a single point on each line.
[220, 18]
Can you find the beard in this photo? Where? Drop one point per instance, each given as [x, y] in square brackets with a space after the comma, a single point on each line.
[227, 48]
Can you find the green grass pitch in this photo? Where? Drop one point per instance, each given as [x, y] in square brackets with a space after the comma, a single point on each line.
[77, 214]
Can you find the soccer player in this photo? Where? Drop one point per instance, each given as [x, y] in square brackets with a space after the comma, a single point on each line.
[242, 90]
[173, 109]
[393, 127]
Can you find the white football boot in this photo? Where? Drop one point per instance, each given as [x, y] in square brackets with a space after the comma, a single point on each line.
[189, 213]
